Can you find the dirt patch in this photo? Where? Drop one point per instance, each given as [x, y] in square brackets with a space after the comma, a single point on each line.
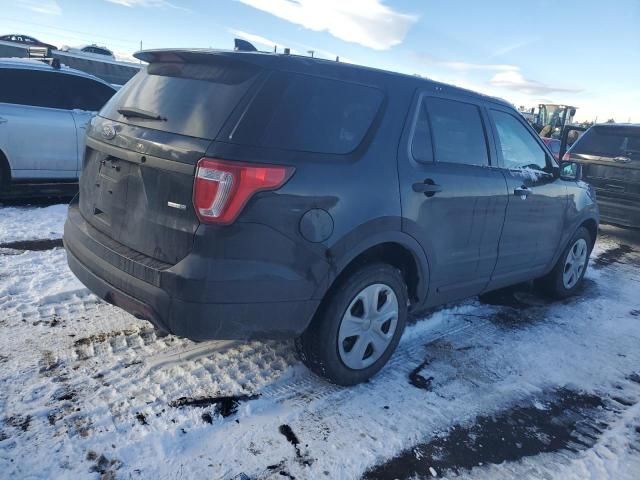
[19, 421]
[142, 418]
[542, 426]
[224, 406]
[33, 245]
[611, 256]
[102, 465]
[418, 380]
[102, 337]
[292, 438]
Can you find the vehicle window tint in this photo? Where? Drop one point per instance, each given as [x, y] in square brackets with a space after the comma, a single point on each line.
[421, 144]
[34, 88]
[321, 115]
[458, 134]
[610, 141]
[195, 98]
[87, 94]
[519, 148]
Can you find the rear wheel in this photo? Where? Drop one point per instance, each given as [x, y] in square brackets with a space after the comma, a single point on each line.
[357, 327]
[567, 275]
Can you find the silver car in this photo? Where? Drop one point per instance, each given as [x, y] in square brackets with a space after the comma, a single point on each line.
[43, 116]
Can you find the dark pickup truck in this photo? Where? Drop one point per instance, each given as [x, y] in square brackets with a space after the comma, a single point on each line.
[610, 158]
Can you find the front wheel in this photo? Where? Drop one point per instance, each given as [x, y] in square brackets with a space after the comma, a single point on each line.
[358, 326]
[567, 275]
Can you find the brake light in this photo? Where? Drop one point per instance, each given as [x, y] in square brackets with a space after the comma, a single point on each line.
[222, 188]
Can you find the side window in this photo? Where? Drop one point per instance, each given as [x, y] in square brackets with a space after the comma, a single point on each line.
[458, 134]
[519, 148]
[421, 148]
[32, 88]
[309, 114]
[86, 94]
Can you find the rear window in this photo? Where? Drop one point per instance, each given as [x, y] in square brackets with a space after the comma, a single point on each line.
[307, 113]
[195, 98]
[610, 142]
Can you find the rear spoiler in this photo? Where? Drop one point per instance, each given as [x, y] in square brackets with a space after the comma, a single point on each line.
[202, 55]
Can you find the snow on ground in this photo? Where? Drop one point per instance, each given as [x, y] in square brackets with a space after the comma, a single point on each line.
[87, 391]
[44, 223]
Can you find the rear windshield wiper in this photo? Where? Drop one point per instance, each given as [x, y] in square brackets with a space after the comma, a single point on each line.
[130, 112]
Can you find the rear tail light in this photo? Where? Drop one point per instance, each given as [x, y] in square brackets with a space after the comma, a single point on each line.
[222, 188]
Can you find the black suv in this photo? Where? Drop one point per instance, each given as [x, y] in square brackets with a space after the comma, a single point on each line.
[237, 195]
[610, 158]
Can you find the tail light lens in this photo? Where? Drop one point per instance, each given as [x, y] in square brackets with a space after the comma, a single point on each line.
[221, 188]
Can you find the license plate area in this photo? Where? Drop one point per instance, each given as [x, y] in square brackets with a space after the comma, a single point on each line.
[111, 190]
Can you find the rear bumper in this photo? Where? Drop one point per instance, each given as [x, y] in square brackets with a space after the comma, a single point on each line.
[618, 211]
[158, 298]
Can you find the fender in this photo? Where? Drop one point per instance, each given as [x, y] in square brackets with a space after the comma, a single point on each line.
[581, 209]
[377, 232]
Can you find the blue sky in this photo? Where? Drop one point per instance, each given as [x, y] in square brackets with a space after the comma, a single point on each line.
[580, 52]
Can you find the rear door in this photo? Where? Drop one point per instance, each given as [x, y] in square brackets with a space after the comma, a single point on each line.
[137, 180]
[453, 199]
[39, 130]
[537, 206]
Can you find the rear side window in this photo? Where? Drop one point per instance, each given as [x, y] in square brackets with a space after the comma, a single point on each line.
[306, 113]
[610, 142]
[519, 148]
[421, 148]
[33, 88]
[195, 98]
[87, 94]
[457, 132]
[52, 90]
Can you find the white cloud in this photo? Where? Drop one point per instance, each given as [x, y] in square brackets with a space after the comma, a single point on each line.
[512, 47]
[430, 60]
[146, 3]
[46, 7]
[365, 22]
[514, 80]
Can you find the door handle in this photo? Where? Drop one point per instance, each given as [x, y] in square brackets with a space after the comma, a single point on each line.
[428, 187]
[3, 120]
[522, 192]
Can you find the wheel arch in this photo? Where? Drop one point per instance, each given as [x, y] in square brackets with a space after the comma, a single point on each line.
[394, 248]
[5, 169]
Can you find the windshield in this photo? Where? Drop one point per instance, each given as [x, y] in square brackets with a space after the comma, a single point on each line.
[610, 142]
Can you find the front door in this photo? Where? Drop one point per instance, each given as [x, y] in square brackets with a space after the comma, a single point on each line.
[537, 202]
[453, 200]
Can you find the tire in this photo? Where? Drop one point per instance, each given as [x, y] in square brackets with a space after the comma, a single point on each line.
[559, 283]
[328, 349]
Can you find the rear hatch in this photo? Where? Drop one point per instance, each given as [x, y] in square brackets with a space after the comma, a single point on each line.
[142, 149]
[610, 155]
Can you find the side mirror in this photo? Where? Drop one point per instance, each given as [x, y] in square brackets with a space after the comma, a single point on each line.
[570, 171]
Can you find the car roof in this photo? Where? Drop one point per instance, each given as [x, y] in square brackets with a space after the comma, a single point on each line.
[614, 125]
[305, 64]
[33, 64]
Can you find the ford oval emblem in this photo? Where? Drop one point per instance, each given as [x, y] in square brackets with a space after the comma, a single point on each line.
[108, 132]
